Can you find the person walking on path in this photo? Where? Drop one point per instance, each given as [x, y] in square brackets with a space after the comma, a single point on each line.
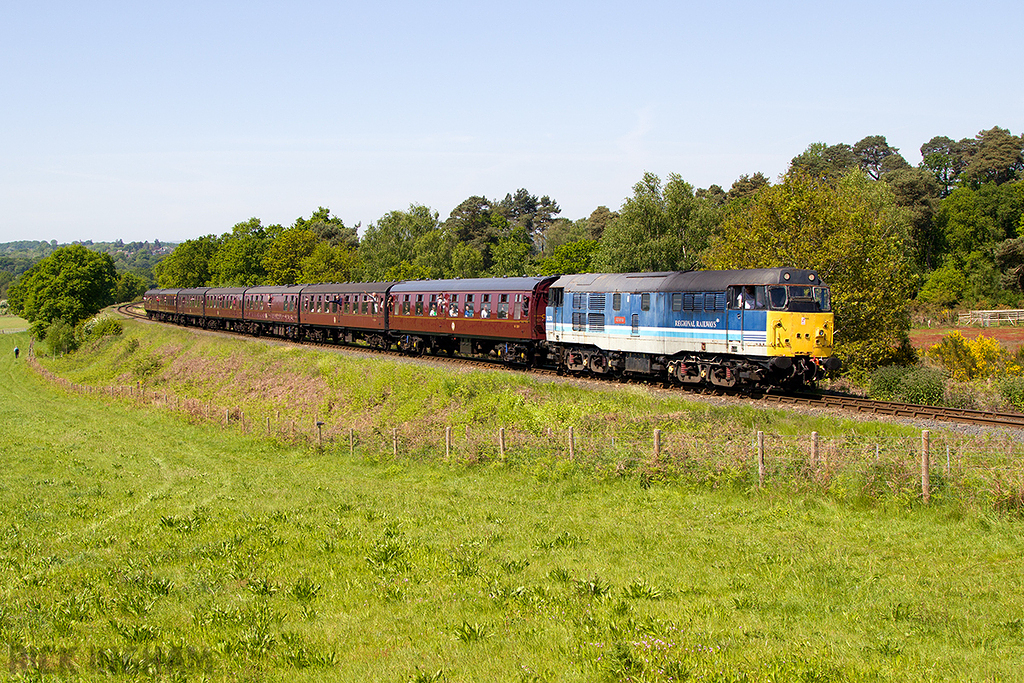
[15, 353]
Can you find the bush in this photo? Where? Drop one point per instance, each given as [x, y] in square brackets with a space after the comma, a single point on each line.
[102, 327]
[965, 360]
[60, 337]
[886, 381]
[924, 386]
[1011, 388]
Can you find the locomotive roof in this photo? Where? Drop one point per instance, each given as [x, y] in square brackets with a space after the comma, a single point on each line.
[479, 284]
[686, 281]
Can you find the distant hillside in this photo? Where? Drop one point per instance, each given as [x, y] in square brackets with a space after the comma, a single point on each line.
[134, 257]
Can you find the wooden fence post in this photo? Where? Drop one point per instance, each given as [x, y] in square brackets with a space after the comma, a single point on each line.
[447, 442]
[394, 440]
[814, 449]
[501, 442]
[657, 445]
[351, 442]
[760, 460]
[572, 445]
[926, 485]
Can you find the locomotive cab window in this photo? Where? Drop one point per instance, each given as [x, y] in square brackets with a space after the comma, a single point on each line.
[645, 302]
[802, 299]
[748, 297]
[617, 301]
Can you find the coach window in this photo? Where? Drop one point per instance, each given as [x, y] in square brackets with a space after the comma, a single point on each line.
[419, 304]
[677, 302]
[502, 306]
[433, 305]
[485, 306]
[366, 304]
[334, 305]
[617, 301]
[645, 302]
[469, 305]
[517, 308]
[453, 307]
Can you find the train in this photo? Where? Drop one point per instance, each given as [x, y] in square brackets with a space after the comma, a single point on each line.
[749, 329]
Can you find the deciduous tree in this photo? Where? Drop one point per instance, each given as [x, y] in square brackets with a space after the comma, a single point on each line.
[188, 265]
[658, 228]
[853, 234]
[71, 284]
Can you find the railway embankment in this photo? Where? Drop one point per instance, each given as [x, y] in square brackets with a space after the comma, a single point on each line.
[392, 408]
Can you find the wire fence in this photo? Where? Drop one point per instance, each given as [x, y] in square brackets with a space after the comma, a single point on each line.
[949, 465]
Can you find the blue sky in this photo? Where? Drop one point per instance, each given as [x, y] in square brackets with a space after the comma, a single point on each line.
[171, 120]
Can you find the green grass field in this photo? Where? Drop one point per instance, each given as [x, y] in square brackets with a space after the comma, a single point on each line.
[12, 322]
[143, 544]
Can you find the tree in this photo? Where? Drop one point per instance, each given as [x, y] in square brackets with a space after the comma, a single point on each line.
[998, 157]
[875, 156]
[188, 265]
[475, 222]
[129, 287]
[569, 258]
[71, 284]
[946, 159]
[598, 221]
[853, 234]
[825, 162]
[746, 186]
[657, 229]
[286, 253]
[238, 261]
[917, 191]
[330, 263]
[526, 210]
[328, 228]
[511, 254]
[393, 239]
[467, 261]
[1010, 259]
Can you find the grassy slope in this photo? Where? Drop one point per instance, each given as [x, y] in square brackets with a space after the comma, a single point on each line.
[11, 322]
[129, 528]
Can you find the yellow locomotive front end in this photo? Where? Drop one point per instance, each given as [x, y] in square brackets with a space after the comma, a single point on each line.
[800, 328]
[800, 334]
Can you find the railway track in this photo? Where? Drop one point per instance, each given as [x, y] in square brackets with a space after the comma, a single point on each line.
[811, 400]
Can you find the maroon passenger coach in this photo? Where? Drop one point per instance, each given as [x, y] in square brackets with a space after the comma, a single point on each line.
[503, 317]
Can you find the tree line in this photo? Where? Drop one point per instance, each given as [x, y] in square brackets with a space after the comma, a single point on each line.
[891, 238]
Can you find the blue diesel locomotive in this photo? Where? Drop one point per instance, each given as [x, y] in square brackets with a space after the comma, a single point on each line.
[770, 327]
